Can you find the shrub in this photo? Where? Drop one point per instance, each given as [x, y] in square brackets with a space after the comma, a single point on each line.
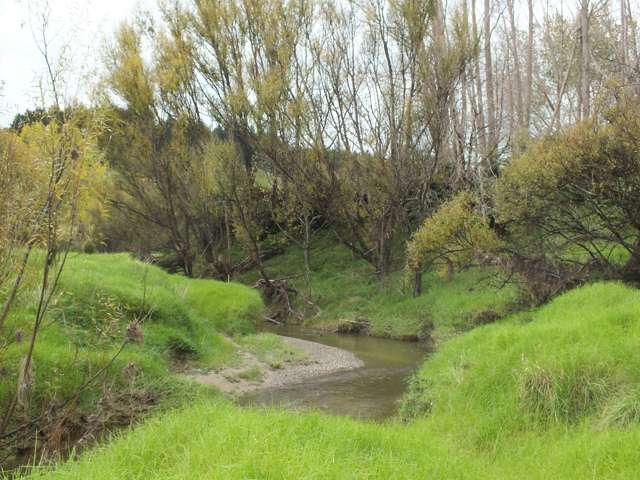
[569, 203]
[455, 236]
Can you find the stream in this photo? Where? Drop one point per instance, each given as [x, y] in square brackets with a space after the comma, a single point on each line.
[371, 392]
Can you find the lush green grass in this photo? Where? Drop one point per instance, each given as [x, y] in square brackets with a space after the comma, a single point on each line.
[220, 441]
[346, 289]
[551, 393]
[182, 321]
[572, 360]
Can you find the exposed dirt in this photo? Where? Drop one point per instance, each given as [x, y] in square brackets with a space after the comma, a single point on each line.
[254, 374]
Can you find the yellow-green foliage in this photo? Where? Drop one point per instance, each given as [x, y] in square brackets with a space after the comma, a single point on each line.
[128, 74]
[19, 170]
[452, 237]
[52, 179]
[577, 190]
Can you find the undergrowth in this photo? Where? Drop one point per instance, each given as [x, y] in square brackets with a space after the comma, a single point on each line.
[345, 289]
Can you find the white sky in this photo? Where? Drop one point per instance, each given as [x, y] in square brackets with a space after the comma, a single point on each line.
[84, 24]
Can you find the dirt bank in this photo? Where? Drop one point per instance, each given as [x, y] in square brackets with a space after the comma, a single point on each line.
[255, 374]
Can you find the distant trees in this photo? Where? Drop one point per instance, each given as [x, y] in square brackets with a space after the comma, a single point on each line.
[360, 118]
[565, 208]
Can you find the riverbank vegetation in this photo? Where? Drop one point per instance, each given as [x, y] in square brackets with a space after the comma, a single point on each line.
[116, 331]
[550, 393]
[348, 297]
[408, 169]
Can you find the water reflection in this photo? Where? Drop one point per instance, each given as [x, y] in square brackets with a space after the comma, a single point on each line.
[371, 392]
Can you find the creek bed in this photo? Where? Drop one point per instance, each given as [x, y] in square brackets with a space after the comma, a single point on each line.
[370, 392]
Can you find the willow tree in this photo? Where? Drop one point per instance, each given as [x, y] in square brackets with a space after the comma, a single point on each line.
[571, 199]
[155, 145]
[391, 74]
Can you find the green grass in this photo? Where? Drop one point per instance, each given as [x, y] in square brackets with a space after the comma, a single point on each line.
[571, 360]
[346, 289]
[252, 374]
[551, 393]
[183, 321]
[547, 393]
[270, 349]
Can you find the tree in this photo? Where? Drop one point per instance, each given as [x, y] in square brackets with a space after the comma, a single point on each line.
[584, 60]
[455, 237]
[569, 203]
[155, 145]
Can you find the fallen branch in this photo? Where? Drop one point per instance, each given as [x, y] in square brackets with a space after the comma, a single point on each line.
[272, 320]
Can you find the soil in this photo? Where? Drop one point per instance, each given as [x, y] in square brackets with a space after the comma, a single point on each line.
[320, 360]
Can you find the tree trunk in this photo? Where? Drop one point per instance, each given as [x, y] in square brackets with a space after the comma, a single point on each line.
[187, 263]
[516, 66]
[384, 250]
[417, 283]
[306, 246]
[584, 63]
[489, 85]
[631, 270]
[480, 119]
[624, 43]
[227, 231]
[529, 67]
[634, 33]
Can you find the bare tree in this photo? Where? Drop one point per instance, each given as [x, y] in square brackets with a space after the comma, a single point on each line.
[585, 89]
[530, 32]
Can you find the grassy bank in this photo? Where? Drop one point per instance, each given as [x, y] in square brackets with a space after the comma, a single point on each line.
[551, 393]
[345, 289]
[182, 323]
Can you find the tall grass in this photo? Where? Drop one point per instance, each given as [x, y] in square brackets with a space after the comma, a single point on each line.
[98, 298]
[572, 361]
[550, 393]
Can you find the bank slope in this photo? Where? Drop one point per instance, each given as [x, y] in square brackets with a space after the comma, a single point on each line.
[178, 321]
[551, 393]
[346, 290]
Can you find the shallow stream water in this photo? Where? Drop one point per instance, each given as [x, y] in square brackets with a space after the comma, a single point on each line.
[370, 392]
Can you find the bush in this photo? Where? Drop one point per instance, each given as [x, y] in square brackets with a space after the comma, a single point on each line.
[452, 238]
[570, 202]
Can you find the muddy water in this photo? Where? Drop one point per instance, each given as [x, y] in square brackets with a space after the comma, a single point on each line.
[371, 392]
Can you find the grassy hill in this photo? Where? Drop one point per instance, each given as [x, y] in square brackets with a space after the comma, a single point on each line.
[550, 393]
[183, 322]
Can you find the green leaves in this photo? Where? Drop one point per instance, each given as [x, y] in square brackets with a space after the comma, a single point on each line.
[453, 237]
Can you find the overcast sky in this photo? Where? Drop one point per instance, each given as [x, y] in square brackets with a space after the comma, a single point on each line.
[83, 23]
